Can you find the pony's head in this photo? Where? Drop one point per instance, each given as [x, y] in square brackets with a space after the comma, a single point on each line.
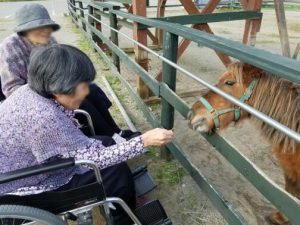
[212, 111]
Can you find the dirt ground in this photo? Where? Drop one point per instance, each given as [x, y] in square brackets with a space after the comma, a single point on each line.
[183, 200]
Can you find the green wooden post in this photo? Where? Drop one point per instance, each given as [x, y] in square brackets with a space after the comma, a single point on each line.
[82, 15]
[170, 47]
[92, 23]
[75, 11]
[96, 24]
[114, 38]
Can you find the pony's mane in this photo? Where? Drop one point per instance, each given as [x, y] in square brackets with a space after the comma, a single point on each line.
[275, 97]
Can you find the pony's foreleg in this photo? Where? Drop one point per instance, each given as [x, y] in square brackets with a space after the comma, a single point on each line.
[289, 162]
[292, 186]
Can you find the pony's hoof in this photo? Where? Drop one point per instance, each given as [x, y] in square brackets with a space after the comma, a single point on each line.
[276, 218]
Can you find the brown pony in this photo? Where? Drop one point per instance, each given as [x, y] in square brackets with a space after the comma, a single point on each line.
[275, 97]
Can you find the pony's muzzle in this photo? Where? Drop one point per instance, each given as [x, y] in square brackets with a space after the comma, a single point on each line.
[201, 125]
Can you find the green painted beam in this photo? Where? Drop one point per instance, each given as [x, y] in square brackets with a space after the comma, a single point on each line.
[168, 78]
[273, 63]
[211, 17]
[114, 37]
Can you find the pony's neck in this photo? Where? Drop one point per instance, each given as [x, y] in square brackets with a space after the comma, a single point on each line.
[261, 94]
[280, 100]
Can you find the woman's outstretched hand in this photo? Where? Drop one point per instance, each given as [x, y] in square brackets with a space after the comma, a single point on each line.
[157, 137]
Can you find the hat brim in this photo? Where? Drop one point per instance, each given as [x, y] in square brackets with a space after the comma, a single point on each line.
[37, 24]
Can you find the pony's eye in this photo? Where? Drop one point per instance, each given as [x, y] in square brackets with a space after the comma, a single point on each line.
[229, 82]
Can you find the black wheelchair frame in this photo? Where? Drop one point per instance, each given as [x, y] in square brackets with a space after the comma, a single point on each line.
[89, 196]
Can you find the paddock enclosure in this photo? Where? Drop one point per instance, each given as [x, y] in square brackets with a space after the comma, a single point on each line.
[166, 39]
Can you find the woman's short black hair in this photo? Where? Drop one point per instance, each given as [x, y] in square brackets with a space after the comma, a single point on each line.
[58, 69]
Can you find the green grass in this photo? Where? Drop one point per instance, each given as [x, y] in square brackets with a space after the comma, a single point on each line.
[286, 7]
[165, 172]
[170, 172]
[154, 107]
[295, 27]
[117, 86]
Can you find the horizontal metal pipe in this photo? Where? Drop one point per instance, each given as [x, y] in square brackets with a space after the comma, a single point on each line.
[291, 133]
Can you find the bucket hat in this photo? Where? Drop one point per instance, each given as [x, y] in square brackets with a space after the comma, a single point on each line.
[31, 16]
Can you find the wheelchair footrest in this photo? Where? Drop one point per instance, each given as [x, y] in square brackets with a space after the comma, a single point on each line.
[152, 213]
[143, 180]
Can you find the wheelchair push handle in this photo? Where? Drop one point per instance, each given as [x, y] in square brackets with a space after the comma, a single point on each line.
[53, 165]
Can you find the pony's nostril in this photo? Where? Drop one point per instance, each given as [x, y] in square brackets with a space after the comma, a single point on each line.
[201, 120]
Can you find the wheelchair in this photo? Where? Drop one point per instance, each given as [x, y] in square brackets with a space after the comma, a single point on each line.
[59, 207]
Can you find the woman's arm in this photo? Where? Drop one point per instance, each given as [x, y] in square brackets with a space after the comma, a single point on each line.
[108, 156]
[53, 135]
[13, 69]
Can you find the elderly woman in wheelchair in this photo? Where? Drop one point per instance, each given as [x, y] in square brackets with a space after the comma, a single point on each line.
[37, 126]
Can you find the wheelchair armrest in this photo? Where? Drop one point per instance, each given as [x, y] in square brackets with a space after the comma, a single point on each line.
[37, 169]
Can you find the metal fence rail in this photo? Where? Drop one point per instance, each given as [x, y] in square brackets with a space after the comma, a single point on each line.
[286, 68]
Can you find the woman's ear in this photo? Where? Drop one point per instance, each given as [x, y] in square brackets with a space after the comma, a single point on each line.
[60, 98]
[56, 96]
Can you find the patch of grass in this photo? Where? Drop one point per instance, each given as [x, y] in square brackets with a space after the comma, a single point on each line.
[170, 172]
[286, 7]
[295, 27]
[154, 107]
[116, 85]
[153, 152]
[165, 172]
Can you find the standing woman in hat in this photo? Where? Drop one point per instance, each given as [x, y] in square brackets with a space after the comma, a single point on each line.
[34, 29]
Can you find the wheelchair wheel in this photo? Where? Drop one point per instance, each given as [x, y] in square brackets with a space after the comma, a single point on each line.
[17, 215]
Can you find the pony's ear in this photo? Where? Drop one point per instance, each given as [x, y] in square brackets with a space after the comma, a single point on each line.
[252, 71]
